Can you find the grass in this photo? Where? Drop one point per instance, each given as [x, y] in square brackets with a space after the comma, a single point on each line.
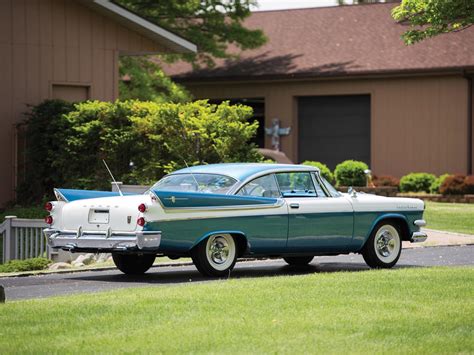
[453, 217]
[413, 311]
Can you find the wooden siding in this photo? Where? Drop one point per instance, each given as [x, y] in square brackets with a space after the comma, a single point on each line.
[48, 42]
[417, 123]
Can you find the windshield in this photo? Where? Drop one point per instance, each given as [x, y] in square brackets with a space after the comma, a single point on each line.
[330, 188]
[205, 183]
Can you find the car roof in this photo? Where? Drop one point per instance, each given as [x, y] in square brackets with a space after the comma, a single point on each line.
[242, 171]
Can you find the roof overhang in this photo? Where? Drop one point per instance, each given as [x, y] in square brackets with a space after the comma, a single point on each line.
[167, 39]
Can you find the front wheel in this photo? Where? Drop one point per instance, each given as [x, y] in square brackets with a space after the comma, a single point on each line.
[298, 260]
[383, 248]
[133, 264]
[216, 255]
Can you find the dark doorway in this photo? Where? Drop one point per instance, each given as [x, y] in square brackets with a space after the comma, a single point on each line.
[334, 128]
[258, 106]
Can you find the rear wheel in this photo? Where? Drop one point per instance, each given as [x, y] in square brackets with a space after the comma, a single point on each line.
[133, 264]
[298, 260]
[383, 247]
[215, 256]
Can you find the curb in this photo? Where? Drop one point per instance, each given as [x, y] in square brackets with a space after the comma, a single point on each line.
[448, 233]
[72, 271]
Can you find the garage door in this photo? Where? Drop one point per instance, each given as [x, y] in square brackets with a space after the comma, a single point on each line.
[334, 128]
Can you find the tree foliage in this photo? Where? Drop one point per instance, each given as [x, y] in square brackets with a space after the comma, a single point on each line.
[428, 18]
[144, 80]
[141, 141]
[212, 25]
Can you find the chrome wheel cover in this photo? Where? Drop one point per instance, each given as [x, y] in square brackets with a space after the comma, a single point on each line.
[220, 251]
[387, 243]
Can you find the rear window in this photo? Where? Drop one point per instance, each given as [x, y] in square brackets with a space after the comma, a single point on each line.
[204, 183]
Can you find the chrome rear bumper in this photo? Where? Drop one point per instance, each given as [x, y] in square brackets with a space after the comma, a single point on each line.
[103, 241]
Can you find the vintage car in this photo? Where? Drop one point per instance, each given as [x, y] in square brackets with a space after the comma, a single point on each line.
[218, 213]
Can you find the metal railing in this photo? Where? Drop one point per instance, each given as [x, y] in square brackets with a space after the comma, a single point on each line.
[22, 239]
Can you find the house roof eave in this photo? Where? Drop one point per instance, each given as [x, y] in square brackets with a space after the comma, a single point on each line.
[169, 40]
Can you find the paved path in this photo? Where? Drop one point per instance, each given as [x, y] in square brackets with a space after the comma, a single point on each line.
[93, 281]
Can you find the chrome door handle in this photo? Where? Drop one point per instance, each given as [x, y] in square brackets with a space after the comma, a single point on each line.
[294, 205]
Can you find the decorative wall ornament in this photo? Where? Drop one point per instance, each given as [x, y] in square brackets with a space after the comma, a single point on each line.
[275, 131]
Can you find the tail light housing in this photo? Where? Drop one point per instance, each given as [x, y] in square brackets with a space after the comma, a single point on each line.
[141, 221]
[48, 219]
[48, 206]
[142, 208]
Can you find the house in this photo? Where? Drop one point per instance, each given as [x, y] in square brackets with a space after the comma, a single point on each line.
[66, 49]
[349, 88]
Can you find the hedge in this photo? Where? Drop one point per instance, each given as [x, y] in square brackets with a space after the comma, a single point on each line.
[351, 173]
[416, 182]
[141, 142]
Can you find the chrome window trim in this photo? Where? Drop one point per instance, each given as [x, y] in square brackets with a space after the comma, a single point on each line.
[296, 172]
[274, 178]
[240, 183]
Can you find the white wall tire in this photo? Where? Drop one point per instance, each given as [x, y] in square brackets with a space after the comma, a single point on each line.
[215, 256]
[383, 248]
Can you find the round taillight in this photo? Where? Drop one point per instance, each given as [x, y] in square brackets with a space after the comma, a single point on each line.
[142, 207]
[48, 206]
[141, 221]
[48, 220]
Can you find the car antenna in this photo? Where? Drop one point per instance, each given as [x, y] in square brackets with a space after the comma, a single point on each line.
[197, 185]
[113, 179]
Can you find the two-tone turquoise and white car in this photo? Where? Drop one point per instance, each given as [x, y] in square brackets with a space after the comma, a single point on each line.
[218, 213]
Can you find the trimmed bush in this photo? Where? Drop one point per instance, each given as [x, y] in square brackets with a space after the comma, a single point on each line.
[325, 171]
[416, 182]
[141, 142]
[454, 185]
[434, 188]
[25, 265]
[351, 173]
[385, 180]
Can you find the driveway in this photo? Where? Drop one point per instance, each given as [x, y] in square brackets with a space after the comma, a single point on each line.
[17, 288]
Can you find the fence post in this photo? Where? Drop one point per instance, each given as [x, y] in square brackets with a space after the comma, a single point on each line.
[10, 242]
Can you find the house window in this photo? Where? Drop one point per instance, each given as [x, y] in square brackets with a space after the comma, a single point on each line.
[72, 93]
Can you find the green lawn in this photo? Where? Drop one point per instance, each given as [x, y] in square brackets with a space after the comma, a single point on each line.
[453, 217]
[417, 311]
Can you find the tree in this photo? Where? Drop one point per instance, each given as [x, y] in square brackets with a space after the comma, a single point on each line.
[212, 25]
[429, 18]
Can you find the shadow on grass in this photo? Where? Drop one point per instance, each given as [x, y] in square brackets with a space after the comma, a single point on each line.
[186, 274]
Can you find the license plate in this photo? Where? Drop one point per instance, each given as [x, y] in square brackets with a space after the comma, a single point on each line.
[98, 216]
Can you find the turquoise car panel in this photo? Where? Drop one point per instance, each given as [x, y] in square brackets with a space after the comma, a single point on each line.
[320, 232]
[173, 199]
[365, 222]
[265, 234]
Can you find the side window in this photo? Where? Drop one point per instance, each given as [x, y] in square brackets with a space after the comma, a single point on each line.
[264, 186]
[296, 184]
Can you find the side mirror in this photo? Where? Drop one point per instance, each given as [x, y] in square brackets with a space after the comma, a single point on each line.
[352, 192]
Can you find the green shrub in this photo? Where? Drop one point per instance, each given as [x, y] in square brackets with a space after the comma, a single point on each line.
[351, 173]
[385, 180]
[141, 141]
[416, 182]
[25, 265]
[434, 188]
[325, 171]
[453, 185]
